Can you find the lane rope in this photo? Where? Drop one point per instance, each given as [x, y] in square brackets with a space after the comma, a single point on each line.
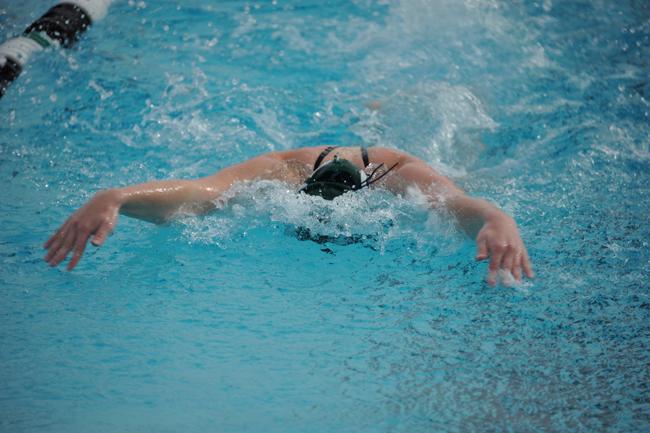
[60, 26]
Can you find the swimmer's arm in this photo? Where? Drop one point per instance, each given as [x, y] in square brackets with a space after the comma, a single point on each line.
[159, 201]
[495, 232]
[155, 202]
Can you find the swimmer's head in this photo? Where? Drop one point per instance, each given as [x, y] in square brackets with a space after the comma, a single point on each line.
[334, 179]
[338, 177]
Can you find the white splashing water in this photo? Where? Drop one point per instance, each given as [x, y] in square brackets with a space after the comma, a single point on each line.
[373, 216]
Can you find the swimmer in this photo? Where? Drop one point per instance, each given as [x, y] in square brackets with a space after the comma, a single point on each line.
[324, 171]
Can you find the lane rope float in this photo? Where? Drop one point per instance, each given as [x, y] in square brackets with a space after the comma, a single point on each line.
[60, 26]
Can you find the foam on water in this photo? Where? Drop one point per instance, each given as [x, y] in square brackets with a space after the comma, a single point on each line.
[371, 217]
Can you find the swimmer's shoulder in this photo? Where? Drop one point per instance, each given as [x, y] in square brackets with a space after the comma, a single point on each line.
[305, 155]
[388, 156]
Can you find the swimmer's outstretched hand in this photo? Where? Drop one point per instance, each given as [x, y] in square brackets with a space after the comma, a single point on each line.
[97, 218]
[499, 240]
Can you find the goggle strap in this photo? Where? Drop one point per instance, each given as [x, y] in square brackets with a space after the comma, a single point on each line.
[369, 181]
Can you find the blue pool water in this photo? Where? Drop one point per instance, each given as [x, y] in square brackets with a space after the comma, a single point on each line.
[230, 323]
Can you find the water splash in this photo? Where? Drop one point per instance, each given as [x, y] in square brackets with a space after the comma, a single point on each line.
[434, 120]
[370, 216]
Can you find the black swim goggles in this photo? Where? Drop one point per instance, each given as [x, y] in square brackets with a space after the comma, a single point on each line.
[338, 177]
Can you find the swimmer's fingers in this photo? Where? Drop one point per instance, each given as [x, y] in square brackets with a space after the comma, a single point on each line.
[99, 229]
[63, 249]
[516, 268]
[497, 253]
[481, 249]
[499, 239]
[52, 238]
[54, 243]
[57, 235]
[519, 262]
[491, 243]
[509, 259]
[104, 230]
[79, 247]
[525, 261]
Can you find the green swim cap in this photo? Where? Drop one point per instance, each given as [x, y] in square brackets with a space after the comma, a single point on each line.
[334, 179]
[340, 176]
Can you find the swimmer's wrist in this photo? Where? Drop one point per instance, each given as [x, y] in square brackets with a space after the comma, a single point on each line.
[489, 212]
[497, 216]
[114, 197]
[477, 209]
[493, 214]
[475, 213]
